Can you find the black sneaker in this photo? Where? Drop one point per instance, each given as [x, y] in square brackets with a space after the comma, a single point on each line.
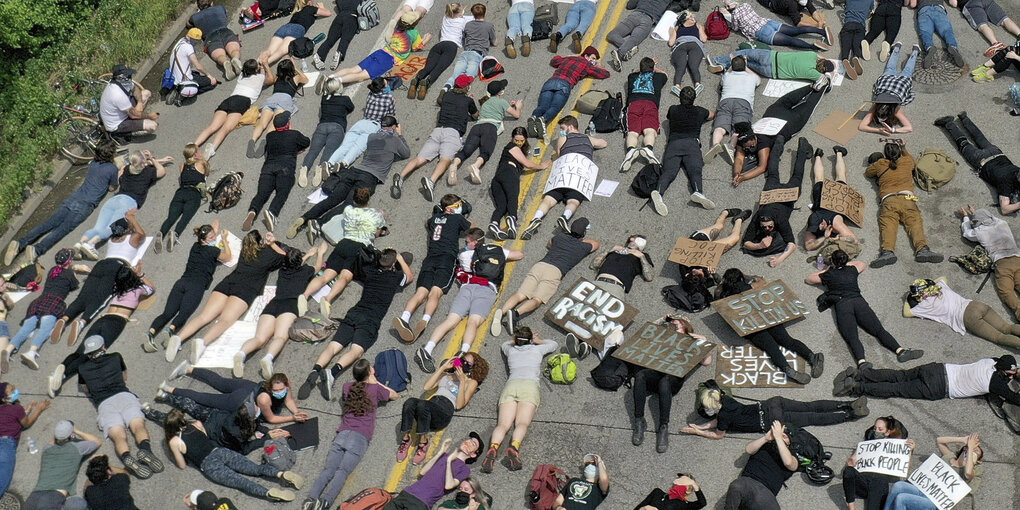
[532, 128]
[929, 58]
[511, 227]
[509, 321]
[146, 457]
[885, 257]
[430, 189]
[497, 233]
[326, 381]
[540, 127]
[305, 390]
[943, 121]
[817, 362]
[909, 355]
[532, 229]
[797, 376]
[149, 344]
[563, 223]
[839, 149]
[954, 55]
[398, 181]
[424, 361]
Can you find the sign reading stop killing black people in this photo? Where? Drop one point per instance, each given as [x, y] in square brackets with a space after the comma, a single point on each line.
[664, 350]
[589, 312]
[761, 308]
[883, 456]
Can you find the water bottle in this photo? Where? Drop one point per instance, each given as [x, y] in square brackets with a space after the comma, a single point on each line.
[820, 263]
[32, 447]
[319, 38]
[304, 65]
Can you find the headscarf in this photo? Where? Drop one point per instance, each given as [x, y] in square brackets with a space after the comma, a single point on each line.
[982, 217]
[923, 288]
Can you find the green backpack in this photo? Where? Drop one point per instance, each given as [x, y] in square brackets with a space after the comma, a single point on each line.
[975, 262]
[933, 169]
[560, 369]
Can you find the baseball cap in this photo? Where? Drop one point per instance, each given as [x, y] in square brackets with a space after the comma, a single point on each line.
[63, 430]
[122, 70]
[495, 87]
[281, 120]
[195, 33]
[63, 256]
[580, 226]
[481, 447]
[590, 50]
[92, 344]
[409, 18]
[463, 81]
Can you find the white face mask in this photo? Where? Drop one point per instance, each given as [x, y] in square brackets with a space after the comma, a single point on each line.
[591, 471]
[711, 412]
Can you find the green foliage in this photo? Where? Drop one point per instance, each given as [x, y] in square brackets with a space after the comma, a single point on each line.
[49, 42]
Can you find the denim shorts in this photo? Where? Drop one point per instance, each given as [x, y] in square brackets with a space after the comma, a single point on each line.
[290, 30]
[766, 33]
[5, 330]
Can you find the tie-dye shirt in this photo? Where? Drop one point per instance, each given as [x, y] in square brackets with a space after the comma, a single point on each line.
[402, 44]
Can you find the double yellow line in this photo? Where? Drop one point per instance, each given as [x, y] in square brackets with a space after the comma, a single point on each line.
[527, 183]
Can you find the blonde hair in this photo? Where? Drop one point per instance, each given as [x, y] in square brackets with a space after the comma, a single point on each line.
[333, 85]
[711, 399]
[136, 162]
[298, 5]
[453, 9]
[189, 154]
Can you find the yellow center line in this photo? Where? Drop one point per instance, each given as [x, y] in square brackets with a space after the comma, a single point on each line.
[527, 181]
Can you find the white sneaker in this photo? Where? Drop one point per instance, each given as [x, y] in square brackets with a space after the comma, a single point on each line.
[88, 251]
[325, 308]
[208, 150]
[713, 152]
[55, 380]
[266, 368]
[239, 364]
[302, 176]
[728, 153]
[31, 359]
[702, 200]
[649, 155]
[180, 370]
[173, 346]
[302, 305]
[497, 323]
[658, 204]
[629, 159]
[197, 348]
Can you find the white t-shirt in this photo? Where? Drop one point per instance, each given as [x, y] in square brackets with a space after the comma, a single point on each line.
[250, 86]
[740, 85]
[515, 2]
[452, 29]
[113, 106]
[947, 308]
[180, 60]
[970, 380]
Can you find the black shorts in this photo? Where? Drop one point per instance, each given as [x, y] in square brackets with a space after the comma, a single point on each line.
[219, 39]
[437, 272]
[240, 290]
[234, 104]
[362, 333]
[564, 194]
[277, 307]
[344, 256]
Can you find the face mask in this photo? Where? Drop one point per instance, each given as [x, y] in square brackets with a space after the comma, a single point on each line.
[387, 90]
[519, 144]
[563, 132]
[14, 396]
[711, 412]
[280, 394]
[458, 210]
[462, 498]
[591, 471]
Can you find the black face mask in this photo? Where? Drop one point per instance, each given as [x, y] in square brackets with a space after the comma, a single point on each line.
[462, 498]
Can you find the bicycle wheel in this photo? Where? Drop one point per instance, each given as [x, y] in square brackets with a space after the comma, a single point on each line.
[106, 77]
[83, 133]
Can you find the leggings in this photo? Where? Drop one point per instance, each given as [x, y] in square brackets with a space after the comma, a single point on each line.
[431, 415]
[506, 190]
[438, 60]
[109, 327]
[273, 178]
[927, 382]
[649, 381]
[850, 37]
[183, 207]
[687, 56]
[96, 290]
[984, 322]
[682, 153]
[343, 29]
[853, 312]
[871, 487]
[482, 138]
[795, 108]
[805, 414]
[886, 18]
[746, 492]
[181, 303]
[345, 453]
[770, 340]
[233, 392]
[225, 467]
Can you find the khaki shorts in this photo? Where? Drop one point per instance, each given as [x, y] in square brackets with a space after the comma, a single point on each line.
[541, 282]
[521, 390]
[443, 142]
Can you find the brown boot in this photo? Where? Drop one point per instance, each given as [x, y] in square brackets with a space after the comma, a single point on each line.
[525, 46]
[423, 88]
[508, 48]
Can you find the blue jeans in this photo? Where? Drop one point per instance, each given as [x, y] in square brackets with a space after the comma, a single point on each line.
[904, 496]
[932, 19]
[45, 325]
[65, 219]
[344, 455]
[579, 17]
[893, 65]
[326, 139]
[467, 63]
[552, 99]
[112, 210]
[8, 455]
[781, 34]
[759, 61]
[519, 19]
[354, 142]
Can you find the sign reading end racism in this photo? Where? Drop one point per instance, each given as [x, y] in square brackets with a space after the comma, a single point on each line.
[939, 482]
[746, 366]
[697, 253]
[760, 308]
[590, 312]
[779, 195]
[664, 349]
[883, 456]
[841, 198]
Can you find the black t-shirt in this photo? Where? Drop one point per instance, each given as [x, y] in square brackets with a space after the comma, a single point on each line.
[1001, 174]
[284, 146]
[737, 417]
[291, 282]
[565, 252]
[782, 233]
[623, 266]
[335, 108]
[581, 494]
[255, 273]
[842, 282]
[62, 284]
[766, 466]
[305, 17]
[137, 186]
[456, 111]
[444, 231]
[378, 290]
[112, 494]
[103, 376]
[659, 499]
[685, 121]
[201, 262]
[645, 86]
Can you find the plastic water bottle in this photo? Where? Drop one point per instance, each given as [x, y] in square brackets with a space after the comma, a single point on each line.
[32, 447]
[820, 263]
[304, 65]
[319, 38]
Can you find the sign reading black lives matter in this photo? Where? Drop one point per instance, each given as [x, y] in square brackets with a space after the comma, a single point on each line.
[761, 308]
[746, 366]
[664, 350]
[940, 483]
[589, 312]
[883, 456]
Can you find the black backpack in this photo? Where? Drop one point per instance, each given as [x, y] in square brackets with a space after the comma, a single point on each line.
[608, 116]
[302, 47]
[811, 455]
[488, 261]
[611, 373]
[678, 298]
[647, 179]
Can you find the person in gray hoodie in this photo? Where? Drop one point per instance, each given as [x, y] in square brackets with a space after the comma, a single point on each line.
[634, 29]
[994, 234]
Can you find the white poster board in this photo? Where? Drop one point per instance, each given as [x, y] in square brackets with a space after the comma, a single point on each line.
[220, 354]
[573, 171]
[235, 249]
[939, 482]
[667, 21]
[260, 303]
[768, 126]
[883, 456]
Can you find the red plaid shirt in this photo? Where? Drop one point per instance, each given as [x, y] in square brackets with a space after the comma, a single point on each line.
[573, 69]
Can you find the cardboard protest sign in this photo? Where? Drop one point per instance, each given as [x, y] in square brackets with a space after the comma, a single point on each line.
[939, 482]
[883, 456]
[779, 195]
[589, 312]
[761, 308]
[664, 349]
[841, 198]
[746, 366]
[697, 253]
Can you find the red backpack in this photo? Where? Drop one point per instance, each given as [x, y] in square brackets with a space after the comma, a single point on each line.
[546, 483]
[372, 498]
[716, 27]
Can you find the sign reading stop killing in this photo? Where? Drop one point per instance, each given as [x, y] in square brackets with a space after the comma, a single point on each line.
[760, 308]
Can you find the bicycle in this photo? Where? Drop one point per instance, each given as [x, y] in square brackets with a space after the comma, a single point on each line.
[81, 121]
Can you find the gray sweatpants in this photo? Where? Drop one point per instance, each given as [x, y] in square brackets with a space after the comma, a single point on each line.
[344, 455]
[748, 493]
[631, 31]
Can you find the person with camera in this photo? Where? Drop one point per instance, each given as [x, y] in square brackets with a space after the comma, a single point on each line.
[770, 465]
[521, 396]
[453, 386]
[585, 493]
[108, 487]
[59, 465]
[684, 494]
